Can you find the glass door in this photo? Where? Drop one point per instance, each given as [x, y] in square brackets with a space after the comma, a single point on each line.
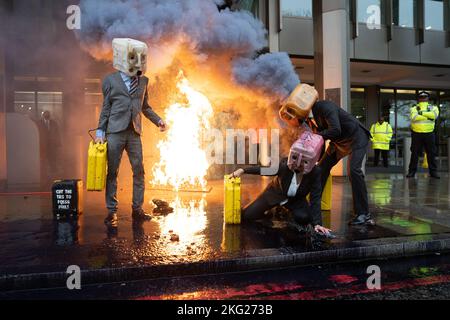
[405, 99]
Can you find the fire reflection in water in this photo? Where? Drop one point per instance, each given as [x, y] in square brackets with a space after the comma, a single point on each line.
[187, 222]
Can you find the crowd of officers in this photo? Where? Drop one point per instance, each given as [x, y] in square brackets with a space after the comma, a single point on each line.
[423, 118]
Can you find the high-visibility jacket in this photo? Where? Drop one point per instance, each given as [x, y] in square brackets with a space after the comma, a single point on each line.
[424, 123]
[381, 135]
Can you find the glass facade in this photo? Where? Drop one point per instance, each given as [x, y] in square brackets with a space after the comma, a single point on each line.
[434, 15]
[368, 9]
[403, 13]
[358, 106]
[444, 121]
[250, 5]
[296, 8]
[395, 105]
[34, 104]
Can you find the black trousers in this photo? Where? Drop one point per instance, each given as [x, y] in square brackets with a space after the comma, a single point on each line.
[356, 175]
[255, 211]
[384, 154]
[419, 142]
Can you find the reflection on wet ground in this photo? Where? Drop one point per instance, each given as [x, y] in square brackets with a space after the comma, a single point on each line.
[31, 241]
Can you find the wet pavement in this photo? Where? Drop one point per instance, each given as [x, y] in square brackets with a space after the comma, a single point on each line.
[400, 279]
[32, 241]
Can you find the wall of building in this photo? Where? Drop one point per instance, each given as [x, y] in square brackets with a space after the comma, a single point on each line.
[296, 38]
[3, 165]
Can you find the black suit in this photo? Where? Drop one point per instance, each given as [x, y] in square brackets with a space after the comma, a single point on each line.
[348, 137]
[276, 192]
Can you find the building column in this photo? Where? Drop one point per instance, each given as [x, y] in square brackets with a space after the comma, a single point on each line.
[269, 12]
[332, 56]
[3, 163]
[372, 110]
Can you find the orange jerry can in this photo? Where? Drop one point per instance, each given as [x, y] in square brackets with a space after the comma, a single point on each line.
[299, 104]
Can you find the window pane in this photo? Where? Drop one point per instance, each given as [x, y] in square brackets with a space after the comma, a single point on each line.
[25, 102]
[444, 122]
[404, 13]
[365, 10]
[358, 106]
[434, 14]
[388, 110]
[296, 8]
[51, 102]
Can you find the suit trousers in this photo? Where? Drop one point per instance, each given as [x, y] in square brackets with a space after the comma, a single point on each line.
[418, 143]
[130, 141]
[255, 210]
[355, 172]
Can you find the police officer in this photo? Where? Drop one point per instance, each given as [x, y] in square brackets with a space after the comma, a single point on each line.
[381, 138]
[423, 120]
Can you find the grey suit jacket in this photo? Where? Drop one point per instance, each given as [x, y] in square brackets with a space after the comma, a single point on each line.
[119, 107]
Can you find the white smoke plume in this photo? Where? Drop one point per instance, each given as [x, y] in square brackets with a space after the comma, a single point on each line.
[194, 26]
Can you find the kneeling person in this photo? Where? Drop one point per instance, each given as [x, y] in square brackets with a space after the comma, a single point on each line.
[289, 189]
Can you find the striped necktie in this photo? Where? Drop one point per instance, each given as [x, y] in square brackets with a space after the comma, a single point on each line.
[134, 85]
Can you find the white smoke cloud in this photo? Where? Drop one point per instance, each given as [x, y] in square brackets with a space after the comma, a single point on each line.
[196, 24]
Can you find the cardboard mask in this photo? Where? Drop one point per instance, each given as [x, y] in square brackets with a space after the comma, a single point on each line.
[130, 56]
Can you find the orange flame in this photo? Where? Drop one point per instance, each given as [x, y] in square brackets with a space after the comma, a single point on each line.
[183, 162]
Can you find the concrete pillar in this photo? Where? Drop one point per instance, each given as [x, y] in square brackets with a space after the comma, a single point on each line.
[332, 56]
[3, 164]
[372, 110]
[273, 16]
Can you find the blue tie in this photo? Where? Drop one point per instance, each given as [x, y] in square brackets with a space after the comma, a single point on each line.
[134, 85]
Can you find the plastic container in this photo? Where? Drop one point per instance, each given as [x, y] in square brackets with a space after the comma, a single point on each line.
[232, 200]
[96, 171]
[306, 151]
[299, 104]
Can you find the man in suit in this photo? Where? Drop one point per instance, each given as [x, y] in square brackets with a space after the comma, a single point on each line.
[289, 189]
[125, 99]
[348, 137]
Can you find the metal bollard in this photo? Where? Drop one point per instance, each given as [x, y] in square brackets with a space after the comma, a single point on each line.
[406, 154]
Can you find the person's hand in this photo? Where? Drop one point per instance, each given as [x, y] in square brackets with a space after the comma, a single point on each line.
[418, 108]
[162, 126]
[99, 136]
[237, 173]
[322, 230]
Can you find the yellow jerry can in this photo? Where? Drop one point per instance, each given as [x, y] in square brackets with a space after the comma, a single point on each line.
[231, 238]
[232, 200]
[96, 171]
[425, 162]
[326, 195]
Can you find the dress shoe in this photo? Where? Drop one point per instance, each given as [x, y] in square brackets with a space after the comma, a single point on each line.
[411, 175]
[363, 219]
[141, 215]
[111, 220]
[329, 235]
[434, 176]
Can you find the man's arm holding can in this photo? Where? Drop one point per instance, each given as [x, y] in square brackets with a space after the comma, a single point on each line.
[106, 111]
